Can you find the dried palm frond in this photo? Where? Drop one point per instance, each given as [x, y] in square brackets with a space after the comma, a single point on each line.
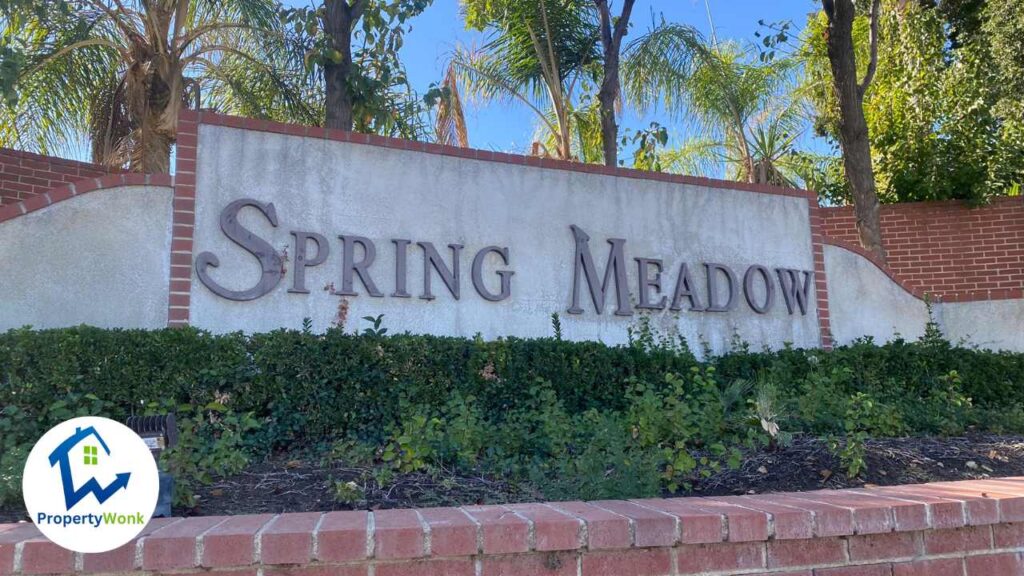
[450, 123]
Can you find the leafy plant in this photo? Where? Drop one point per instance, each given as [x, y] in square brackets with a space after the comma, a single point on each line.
[376, 329]
[211, 441]
[349, 493]
[414, 447]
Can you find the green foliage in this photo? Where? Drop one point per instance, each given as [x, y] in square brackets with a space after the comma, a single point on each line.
[748, 117]
[546, 54]
[376, 328]
[384, 101]
[648, 143]
[864, 418]
[944, 119]
[576, 419]
[211, 443]
[12, 61]
[348, 493]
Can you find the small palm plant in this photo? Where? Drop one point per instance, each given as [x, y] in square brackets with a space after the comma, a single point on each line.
[746, 118]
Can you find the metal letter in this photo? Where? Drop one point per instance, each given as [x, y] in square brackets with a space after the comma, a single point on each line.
[450, 276]
[302, 261]
[270, 261]
[645, 282]
[713, 304]
[350, 265]
[400, 268]
[788, 280]
[684, 288]
[505, 275]
[769, 289]
[616, 265]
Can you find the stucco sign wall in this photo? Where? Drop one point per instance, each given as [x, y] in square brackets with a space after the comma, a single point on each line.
[266, 226]
[290, 227]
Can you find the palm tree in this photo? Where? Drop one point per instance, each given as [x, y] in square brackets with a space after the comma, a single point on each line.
[747, 116]
[538, 53]
[544, 54]
[118, 72]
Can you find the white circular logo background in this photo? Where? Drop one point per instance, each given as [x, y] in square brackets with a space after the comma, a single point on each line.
[90, 484]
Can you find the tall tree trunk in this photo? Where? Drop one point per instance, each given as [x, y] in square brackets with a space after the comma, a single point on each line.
[339, 19]
[853, 128]
[154, 153]
[154, 87]
[609, 127]
[611, 43]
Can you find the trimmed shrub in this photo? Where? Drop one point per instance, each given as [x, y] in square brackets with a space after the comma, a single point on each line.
[536, 409]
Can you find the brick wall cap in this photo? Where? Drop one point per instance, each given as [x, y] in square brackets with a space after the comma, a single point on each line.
[553, 533]
[67, 192]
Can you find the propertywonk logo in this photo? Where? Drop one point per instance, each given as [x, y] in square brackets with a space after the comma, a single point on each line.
[90, 484]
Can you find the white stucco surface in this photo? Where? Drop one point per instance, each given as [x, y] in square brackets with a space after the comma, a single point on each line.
[102, 259]
[864, 301]
[994, 324]
[337, 188]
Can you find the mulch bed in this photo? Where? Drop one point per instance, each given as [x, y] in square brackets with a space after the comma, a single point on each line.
[289, 484]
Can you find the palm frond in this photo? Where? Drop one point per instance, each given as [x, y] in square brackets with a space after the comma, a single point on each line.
[656, 67]
[56, 85]
[486, 78]
[696, 157]
[118, 71]
[450, 121]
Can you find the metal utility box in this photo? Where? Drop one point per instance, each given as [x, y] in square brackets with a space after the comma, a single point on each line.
[159, 433]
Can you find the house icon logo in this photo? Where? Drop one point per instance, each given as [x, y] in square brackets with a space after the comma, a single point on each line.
[90, 484]
[61, 456]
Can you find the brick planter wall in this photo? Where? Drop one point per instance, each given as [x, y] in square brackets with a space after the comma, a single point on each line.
[943, 529]
[948, 249]
[24, 174]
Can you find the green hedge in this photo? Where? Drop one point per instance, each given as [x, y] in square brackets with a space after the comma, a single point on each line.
[288, 389]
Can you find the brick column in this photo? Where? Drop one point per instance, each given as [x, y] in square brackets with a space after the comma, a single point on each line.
[183, 227]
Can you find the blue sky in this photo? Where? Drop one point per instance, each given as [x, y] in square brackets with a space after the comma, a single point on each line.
[509, 127]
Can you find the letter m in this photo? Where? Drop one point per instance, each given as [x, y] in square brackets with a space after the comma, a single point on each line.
[794, 291]
[583, 262]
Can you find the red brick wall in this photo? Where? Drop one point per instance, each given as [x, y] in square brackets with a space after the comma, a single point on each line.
[947, 249]
[23, 174]
[946, 529]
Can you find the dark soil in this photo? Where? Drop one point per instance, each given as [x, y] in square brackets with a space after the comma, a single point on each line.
[286, 484]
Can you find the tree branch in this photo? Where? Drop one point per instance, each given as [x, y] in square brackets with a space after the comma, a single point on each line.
[623, 23]
[829, 7]
[355, 11]
[606, 23]
[180, 16]
[875, 16]
[198, 31]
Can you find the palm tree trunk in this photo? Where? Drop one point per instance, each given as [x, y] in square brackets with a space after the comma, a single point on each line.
[155, 108]
[564, 135]
[853, 127]
[154, 155]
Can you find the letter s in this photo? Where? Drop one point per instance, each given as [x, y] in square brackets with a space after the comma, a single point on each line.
[270, 261]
